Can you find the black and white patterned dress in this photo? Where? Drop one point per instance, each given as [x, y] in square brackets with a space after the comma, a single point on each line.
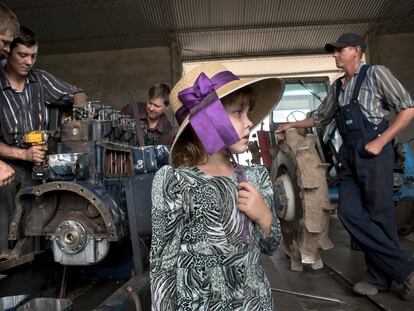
[198, 258]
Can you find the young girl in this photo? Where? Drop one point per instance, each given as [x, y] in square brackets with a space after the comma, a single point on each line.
[211, 218]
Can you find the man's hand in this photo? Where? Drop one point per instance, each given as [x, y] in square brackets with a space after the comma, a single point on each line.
[252, 204]
[281, 130]
[374, 147]
[36, 154]
[6, 174]
[79, 98]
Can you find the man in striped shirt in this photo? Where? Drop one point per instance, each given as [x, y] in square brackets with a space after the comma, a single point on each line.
[9, 28]
[359, 101]
[25, 97]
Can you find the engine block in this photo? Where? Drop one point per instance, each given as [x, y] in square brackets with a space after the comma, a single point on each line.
[82, 204]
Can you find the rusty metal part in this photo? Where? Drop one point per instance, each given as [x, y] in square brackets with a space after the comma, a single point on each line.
[254, 149]
[262, 137]
[307, 234]
[23, 252]
[83, 191]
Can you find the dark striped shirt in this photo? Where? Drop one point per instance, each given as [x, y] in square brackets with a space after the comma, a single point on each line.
[27, 111]
[380, 92]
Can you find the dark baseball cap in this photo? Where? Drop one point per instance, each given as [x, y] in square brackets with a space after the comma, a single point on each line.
[346, 39]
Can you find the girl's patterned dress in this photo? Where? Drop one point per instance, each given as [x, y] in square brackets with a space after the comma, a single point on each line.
[198, 258]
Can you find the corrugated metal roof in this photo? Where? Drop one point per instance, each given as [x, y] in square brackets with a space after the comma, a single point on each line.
[282, 66]
[208, 28]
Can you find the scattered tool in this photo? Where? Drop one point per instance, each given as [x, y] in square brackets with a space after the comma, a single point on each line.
[305, 295]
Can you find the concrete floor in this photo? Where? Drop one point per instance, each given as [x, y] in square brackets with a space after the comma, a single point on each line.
[343, 268]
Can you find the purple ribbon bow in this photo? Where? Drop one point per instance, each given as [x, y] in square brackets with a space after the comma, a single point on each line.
[207, 115]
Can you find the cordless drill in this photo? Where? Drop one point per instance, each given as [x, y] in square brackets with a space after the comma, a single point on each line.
[38, 138]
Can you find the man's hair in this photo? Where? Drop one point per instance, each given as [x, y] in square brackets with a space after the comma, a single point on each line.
[26, 37]
[160, 90]
[188, 149]
[8, 20]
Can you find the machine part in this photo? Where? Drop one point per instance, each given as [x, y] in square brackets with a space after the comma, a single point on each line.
[404, 211]
[71, 237]
[298, 165]
[81, 206]
[254, 149]
[24, 251]
[66, 166]
[12, 302]
[144, 159]
[305, 295]
[121, 299]
[47, 304]
[76, 238]
[71, 195]
[94, 251]
[262, 137]
[138, 193]
[63, 283]
[285, 197]
[91, 211]
[135, 297]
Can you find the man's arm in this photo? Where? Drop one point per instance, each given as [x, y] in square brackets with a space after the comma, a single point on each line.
[321, 117]
[59, 92]
[397, 98]
[281, 129]
[6, 174]
[401, 121]
[33, 154]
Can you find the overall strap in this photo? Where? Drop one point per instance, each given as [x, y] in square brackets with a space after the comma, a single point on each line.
[361, 76]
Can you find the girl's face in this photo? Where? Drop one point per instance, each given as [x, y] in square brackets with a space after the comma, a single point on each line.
[238, 114]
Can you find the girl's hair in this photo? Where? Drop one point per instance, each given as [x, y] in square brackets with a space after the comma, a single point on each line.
[188, 149]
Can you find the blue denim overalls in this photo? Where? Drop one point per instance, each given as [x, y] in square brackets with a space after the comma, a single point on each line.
[366, 205]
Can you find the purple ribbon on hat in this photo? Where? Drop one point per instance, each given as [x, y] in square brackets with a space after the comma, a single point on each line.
[207, 115]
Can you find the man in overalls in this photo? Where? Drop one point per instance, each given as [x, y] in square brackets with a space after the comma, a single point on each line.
[359, 101]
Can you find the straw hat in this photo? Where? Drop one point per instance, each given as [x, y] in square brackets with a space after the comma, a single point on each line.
[266, 92]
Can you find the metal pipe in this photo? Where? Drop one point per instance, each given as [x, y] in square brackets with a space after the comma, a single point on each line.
[135, 297]
[306, 295]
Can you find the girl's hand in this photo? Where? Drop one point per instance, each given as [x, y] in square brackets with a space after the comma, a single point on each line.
[251, 203]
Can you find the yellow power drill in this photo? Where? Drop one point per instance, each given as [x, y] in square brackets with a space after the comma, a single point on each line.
[38, 138]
